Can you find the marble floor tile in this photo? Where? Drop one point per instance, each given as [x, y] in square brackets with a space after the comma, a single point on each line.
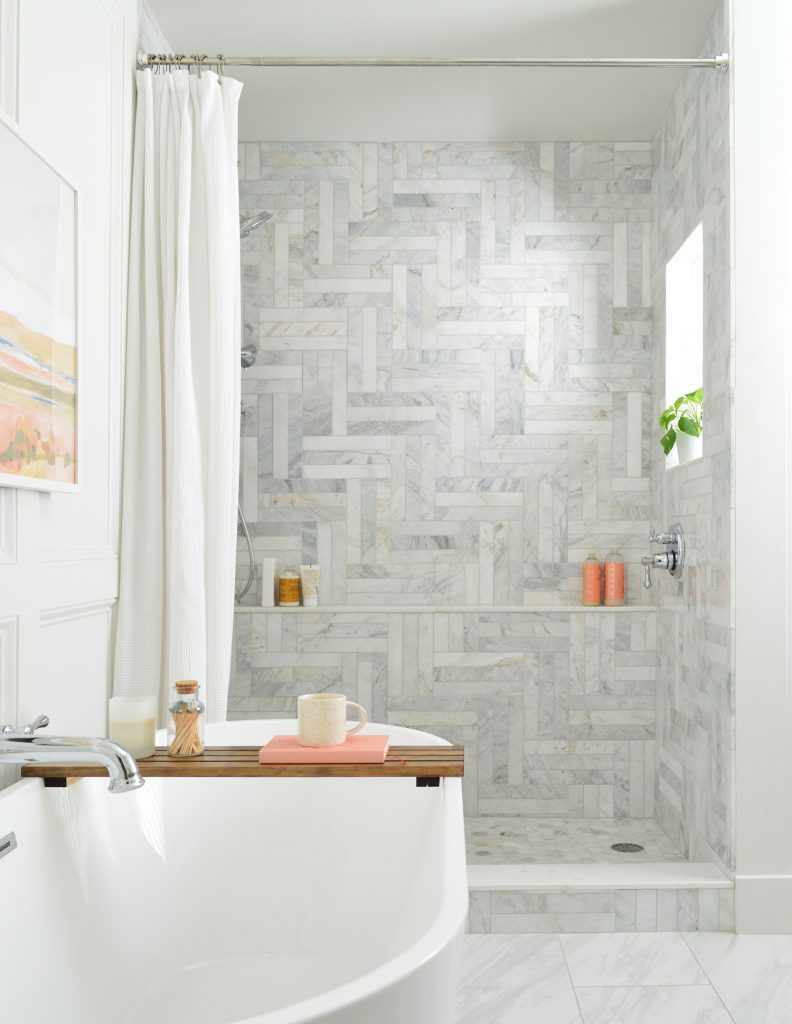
[752, 974]
[624, 959]
[508, 979]
[658, 1004]
[523, 840]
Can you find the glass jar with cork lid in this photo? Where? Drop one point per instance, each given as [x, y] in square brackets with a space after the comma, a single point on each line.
[186, 720]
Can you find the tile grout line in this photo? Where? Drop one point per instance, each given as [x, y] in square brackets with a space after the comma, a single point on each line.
[709, 979]
[662, 984]
[571, 981]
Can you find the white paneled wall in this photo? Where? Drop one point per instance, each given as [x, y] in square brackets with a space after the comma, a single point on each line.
[66, 78]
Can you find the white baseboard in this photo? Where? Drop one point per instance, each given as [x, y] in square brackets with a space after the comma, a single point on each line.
[763, 904]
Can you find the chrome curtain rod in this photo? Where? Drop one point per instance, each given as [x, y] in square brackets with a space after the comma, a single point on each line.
[148, 60]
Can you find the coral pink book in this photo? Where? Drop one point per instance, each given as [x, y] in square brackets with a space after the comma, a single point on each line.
[354, 750]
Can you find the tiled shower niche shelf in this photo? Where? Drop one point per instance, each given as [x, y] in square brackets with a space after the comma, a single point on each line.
[440, 609]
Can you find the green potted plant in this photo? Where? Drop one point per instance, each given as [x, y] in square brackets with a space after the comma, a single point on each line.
[682, 424]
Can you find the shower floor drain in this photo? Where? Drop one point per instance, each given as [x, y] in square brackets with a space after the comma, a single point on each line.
[627, 848]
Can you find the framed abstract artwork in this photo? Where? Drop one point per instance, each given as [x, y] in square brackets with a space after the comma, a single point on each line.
[38, 320]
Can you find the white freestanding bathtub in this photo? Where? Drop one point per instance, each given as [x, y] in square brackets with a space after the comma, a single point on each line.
[221, 901]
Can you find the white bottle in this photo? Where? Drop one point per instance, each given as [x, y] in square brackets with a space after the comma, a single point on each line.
[267, 567]
[309, 578]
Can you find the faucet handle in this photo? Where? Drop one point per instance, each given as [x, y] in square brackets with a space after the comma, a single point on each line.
[661, 538]
[40, 723]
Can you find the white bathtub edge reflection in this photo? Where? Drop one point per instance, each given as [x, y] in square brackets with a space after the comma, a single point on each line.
[429, 967]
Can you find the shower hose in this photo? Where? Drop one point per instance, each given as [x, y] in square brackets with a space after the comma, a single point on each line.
[243, 527]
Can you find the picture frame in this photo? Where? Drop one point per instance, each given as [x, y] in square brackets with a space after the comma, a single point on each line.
[39, 323]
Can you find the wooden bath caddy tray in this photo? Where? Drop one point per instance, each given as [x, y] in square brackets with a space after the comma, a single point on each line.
[427, 765]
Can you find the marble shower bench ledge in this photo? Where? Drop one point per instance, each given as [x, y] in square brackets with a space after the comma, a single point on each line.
[439, 609]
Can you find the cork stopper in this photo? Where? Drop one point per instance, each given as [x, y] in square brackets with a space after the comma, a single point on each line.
[187, 686]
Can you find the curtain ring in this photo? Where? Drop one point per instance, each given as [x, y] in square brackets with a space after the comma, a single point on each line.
[198, 60]
[220, 63]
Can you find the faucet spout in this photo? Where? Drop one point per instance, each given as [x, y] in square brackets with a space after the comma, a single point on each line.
[24, 746]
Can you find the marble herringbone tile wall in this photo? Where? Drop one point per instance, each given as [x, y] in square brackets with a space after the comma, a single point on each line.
[450, 408]
[451, 402]
[696, 616]
[556, 710]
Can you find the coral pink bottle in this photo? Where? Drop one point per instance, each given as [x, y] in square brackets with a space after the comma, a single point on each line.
[614, 578]
[592, 588]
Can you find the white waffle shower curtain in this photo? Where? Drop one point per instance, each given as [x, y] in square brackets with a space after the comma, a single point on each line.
[181, 420]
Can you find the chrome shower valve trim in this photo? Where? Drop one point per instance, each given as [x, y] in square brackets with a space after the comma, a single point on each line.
[672, 559]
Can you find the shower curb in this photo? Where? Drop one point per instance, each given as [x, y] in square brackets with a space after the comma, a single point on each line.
[540, 898]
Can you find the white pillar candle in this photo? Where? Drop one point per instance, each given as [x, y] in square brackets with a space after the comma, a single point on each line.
[267, 568]
[133, 724]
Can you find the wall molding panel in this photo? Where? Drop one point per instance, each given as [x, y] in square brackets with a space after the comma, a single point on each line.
[59, 552]
[55, 616]
[8, 669]
[9, 682]
[7, 525]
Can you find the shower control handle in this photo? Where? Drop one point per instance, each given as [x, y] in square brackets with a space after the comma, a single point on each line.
[662, 560]
[672, 559]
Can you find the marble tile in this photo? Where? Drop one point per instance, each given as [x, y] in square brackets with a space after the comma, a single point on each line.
[690, 185]
[630, 959]
[752, 974]
[508, 840]
[518, 679]
[433, 281]
[541, 899]
[513, 979]
[658, 1004]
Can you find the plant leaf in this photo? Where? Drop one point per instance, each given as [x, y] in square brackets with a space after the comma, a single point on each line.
[689, 425]
[696, 396]
[668, 440]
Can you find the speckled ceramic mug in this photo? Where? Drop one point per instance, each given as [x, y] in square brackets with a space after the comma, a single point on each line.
[322, 718]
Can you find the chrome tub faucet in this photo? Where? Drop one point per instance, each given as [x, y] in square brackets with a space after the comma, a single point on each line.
[23, 746]
[672, 559]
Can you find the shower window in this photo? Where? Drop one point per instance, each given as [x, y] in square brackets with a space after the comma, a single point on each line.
[685, 317]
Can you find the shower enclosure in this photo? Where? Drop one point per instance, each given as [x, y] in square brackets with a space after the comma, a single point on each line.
[458, 375]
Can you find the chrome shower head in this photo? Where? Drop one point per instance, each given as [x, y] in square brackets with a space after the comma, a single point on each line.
[248, 353]
[248, 224]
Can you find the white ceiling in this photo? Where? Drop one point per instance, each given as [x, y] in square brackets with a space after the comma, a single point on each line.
[437, 104]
